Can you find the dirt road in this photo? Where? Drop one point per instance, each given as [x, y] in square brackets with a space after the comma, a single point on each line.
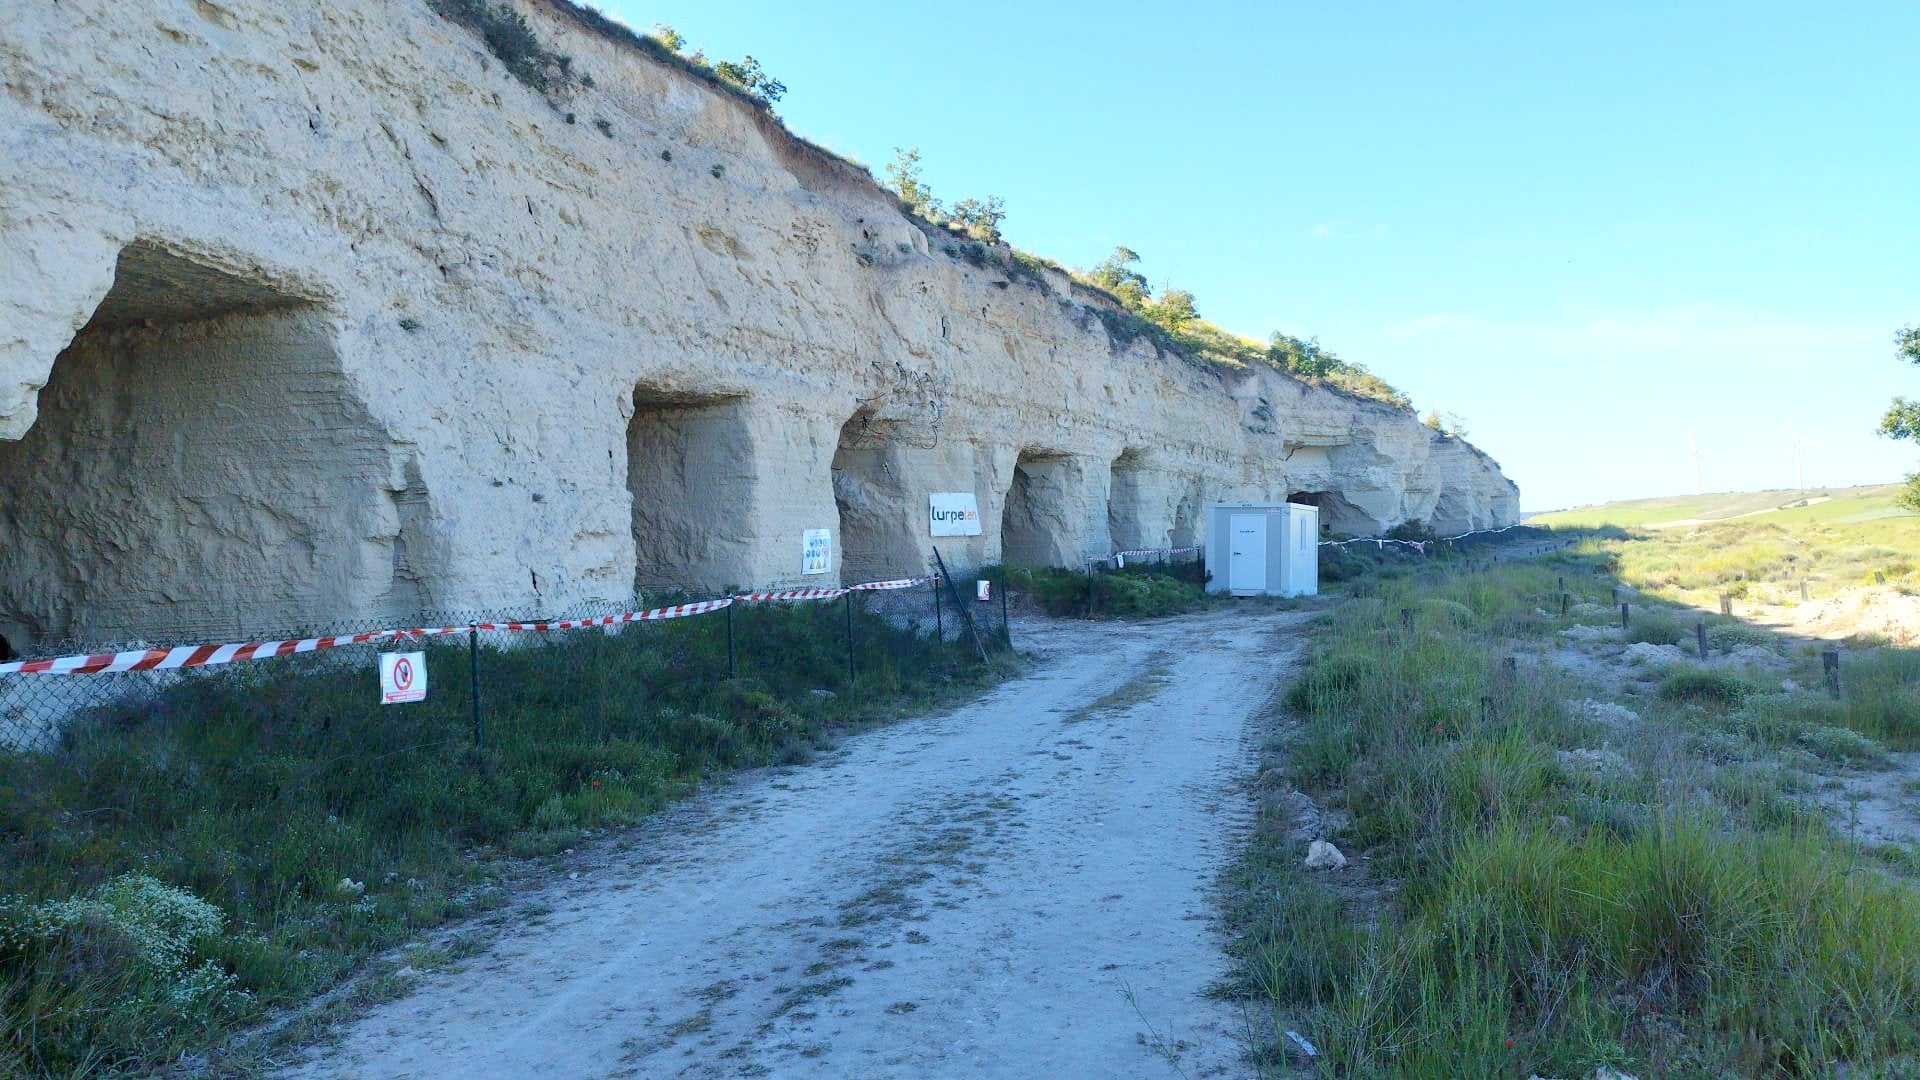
[1021, 887]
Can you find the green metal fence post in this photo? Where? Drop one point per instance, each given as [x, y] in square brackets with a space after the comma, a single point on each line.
[473, 675]
[850, 668]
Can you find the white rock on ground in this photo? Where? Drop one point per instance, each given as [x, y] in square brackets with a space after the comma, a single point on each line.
[1605, 712]
[1324, 856]
[1646, 652]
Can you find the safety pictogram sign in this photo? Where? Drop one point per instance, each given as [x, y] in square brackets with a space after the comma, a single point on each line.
[403, 677]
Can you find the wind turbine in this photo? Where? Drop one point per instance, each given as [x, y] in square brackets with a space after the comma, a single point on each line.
[1798, 442]
[1694, 449]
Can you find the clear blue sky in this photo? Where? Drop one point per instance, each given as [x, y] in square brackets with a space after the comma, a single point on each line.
[1589, 233]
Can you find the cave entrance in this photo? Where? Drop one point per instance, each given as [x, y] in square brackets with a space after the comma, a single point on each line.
[1128, 512]
[1034, 525]
[1451, 513]
[1336, 513]
[690, 475]
[199, 469]
[878, 537]
[1186, 518]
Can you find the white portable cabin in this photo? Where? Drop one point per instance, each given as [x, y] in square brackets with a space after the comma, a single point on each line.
[1263, 549]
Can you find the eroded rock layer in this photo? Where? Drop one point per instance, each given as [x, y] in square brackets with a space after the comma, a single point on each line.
[314, 313]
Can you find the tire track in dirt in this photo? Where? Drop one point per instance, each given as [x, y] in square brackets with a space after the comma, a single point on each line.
[1018, 887]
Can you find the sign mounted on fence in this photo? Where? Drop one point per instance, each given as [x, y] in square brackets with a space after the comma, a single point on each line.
[953, 513]
[817, 556]
[403, 677]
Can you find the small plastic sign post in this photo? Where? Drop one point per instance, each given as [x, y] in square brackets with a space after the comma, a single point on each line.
[403, 677]
[983, 590]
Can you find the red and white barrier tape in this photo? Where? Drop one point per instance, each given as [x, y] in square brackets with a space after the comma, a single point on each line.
[897, 583]
[677, 611]
[186, 656]
[1119, 558]
[792, 594]
[191, 656]
[1422, 545]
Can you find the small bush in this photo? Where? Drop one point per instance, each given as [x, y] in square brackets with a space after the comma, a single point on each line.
[1842, 745]
[1656, 628]
[1703, 686]
[132, 956]
[512, 41]
[1882, 695]
[1728, 636]
[1128, 594]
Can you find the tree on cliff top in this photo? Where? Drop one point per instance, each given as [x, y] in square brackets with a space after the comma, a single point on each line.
[903, 176]
[1902, 420]
[979, 218]
[748, 76]
[668, 36]
[1117, 276]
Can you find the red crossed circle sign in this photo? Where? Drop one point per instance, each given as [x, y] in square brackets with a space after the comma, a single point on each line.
[403, 674]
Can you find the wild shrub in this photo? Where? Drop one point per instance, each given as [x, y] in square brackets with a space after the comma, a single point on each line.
[1881, 695]
[512, 41]
[1656, 627]
[1127, 594]
[1703, 686]
[1726, 635]
[1843, 745]
[132, 956]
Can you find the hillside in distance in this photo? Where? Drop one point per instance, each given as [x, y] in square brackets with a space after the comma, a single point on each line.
[1848, 504]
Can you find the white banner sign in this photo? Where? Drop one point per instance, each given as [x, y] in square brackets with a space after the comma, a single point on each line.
[953, 513]
[403, 677]
[817, 556]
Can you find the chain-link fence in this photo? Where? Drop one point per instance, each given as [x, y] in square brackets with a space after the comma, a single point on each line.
[490, 670]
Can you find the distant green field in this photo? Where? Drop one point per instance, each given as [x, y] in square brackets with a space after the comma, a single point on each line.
[1809, 505]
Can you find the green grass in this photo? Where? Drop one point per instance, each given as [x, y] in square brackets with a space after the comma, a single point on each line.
[261, 789]
[1768, 558]
[1685, 917]
[1130, 593]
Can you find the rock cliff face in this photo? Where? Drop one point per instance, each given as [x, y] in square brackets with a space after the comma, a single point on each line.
[315, 313]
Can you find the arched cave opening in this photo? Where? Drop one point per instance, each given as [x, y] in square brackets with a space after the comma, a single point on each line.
[200, 470]
[1451, 514]
[1186, 518]
[1034, 526]
[878, 538]
[1128, 524]
[1337, 515]
[690, 476]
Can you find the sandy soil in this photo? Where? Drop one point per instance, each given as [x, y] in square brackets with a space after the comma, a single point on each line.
[1859, 610]
[1022, 887]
